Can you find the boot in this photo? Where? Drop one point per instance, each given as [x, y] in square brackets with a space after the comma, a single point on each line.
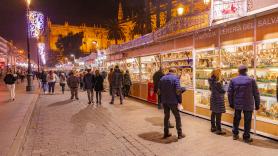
[180, 136]
[167, 135]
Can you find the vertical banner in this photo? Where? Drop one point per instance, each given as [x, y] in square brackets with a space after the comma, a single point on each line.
[151, 94]
[36, 24]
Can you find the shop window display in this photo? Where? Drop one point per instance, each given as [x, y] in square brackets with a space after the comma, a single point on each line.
[149, 65]
[231, 58]
[267, 74]
[206, 61]
[183, 62]
[132, 64]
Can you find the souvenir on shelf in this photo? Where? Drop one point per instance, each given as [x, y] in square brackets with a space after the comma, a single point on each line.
[183, 62]
[133, 66]
[149, 65]
[267, 75]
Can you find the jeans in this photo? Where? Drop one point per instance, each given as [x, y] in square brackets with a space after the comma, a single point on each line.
[11, 88]
[51, 86]
[247, 123]
[110, 90]
[90, 93]
[175, 111]
[115, 91]
[98, 96]
[159, 104]
[74, 93]
[63, 87]
[44, 85]
[216, 121]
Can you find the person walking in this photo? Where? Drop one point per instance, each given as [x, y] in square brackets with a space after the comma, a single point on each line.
[117, 84]
[127, 83]
[89, 84]
[10, 80]
[217, 104]
[43, 77]
[110, 80]
[52, 78]
[73, 83]
[156, 78]
[170, 90]
[63, 80]
[244, 96]
[98, 86]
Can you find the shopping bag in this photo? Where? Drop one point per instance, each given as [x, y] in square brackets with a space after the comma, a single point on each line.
[180, 107]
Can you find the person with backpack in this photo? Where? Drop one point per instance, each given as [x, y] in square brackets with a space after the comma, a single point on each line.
[244, 96]
[51, 79]
[63, 82]
[10, 80]
[98, 86]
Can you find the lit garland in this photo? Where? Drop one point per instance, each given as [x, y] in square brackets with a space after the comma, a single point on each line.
[41, 49]
[36, 24]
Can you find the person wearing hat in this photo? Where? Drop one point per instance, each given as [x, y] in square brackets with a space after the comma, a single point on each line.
[244, 96]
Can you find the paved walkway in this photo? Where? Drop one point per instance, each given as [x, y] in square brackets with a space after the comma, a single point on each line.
[13, 116]
[72, 128]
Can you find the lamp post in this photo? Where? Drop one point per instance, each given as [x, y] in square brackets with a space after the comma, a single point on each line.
[29, 86]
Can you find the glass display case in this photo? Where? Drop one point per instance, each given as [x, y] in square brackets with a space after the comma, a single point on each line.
[206, 61]
[183, 62]
[267, 74]
[149, 65]
[233, 56]
[132, 64]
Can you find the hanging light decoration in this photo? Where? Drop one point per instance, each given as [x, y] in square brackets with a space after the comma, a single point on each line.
[41, 50]
[36, 24]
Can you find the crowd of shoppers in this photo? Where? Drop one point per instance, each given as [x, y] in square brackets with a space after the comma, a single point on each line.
[242, 91]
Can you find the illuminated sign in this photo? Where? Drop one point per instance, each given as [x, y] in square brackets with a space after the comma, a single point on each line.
[227, 9]
[36, 24]
[41, 51]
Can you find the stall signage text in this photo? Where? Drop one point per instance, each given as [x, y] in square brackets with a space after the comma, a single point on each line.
[268, 21]
[206, 35]
[237, 28]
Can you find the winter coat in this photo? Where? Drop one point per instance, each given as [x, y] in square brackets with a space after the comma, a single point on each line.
[52, 77]
[127, 79]
[73, 81]
[243, 93]
[43, 77]
[62, 79]
[217, 104]
[117, 79]
[9, 79]
[156, 78]
[170, 89]
[110, 77]
[89, 81]
[99, 83]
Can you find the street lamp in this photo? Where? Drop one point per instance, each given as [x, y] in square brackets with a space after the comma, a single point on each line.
[180, 10]
[206, 2]
[29, 86]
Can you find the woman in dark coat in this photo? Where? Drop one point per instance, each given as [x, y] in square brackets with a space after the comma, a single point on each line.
[217, 104]
[98, 86]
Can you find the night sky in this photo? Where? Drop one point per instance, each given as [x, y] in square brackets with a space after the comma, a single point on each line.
[76, 12]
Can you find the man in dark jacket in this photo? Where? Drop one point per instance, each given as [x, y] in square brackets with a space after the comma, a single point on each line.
[73, 83]
[43, 77]
[117, 84]
[89, 84]
[9, 80]
[156, 78]
[170, 90]
[243, 93]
